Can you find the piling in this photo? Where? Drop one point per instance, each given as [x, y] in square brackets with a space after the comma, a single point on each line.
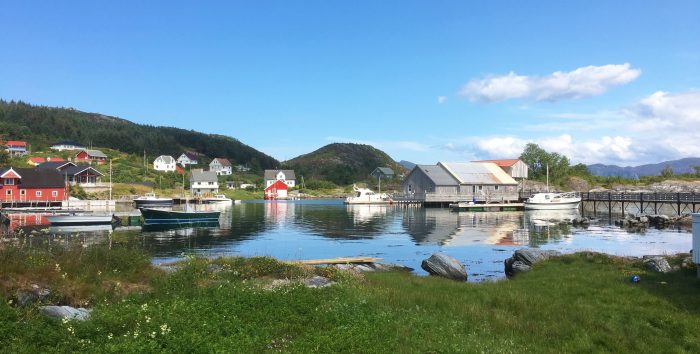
[696, 241]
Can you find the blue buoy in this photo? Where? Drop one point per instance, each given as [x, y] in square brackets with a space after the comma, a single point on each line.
[635, 279]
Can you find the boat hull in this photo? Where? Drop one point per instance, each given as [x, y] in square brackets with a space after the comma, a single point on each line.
[163, 202]
[80, 219]
[159, 217]
[552, 206]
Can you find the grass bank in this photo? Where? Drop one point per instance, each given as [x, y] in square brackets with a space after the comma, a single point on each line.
[577, 303]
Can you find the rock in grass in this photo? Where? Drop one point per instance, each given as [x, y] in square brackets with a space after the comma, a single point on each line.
[444, 266]
[657, 264]
[318, 282]
[25, 297]
[523, 259]
[61, 312]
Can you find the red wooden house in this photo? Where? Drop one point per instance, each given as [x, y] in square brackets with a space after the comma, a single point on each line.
[277, 190]
[31, 185]
[96, 156]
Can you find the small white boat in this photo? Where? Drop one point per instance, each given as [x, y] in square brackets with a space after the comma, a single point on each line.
[150, 199]
[217, 199]
[367, 196]
[553, 201]
[79, 219]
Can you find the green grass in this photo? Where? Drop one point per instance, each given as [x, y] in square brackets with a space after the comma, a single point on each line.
[577, 303]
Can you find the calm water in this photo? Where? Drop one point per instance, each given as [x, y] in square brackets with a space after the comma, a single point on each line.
[325, 229]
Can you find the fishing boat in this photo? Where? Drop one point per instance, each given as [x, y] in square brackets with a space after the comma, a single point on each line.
[553, 201]
[80, 219]
[150, 199]
[216, 199]
[153, 216]
[367, 196]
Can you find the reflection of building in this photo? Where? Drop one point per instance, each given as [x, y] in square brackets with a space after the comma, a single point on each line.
[367, 212]
[279, 212]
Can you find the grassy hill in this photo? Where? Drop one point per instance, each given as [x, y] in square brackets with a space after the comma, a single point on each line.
[341, 164]
[42, 126]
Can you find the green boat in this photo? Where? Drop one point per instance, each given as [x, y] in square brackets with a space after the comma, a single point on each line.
[161, 217]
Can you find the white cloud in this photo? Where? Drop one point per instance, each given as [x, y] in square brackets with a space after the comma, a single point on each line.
[441, 99]
[583, 82]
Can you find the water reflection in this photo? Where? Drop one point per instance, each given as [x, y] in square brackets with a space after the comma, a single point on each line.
[325, 229]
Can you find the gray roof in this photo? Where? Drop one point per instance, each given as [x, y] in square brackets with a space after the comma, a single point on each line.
[477, 173]
[438, 175]
[385, 170]
[203, 176]
[74, 170]
[54, 164]
[96, 153]
[37, 177]
[165, 159]
[272, 174]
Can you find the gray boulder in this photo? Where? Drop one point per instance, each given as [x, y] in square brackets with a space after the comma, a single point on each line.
[442, 265]
[25, 297]
[656, 264]
[318, 282]
[523, 259]
[61, 312]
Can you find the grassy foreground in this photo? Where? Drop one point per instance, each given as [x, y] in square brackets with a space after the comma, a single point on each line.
[577, 303]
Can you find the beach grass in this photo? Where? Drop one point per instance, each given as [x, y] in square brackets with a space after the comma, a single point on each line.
[575, 303]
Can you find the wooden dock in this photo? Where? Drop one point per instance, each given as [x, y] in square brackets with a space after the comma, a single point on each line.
[487, 207]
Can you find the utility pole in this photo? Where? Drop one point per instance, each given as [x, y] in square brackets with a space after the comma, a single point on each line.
[110, 179]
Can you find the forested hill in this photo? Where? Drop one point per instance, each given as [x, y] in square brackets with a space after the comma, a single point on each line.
[42, 126]
[342, 163]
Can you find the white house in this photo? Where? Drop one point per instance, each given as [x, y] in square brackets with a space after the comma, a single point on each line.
[203, 182]
[164, 163]
[67, 145]
[188, 158]
[220, 166]
[287, 176]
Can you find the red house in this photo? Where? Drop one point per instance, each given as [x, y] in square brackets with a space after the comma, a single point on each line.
[91, 156]
[31, 185]
[277, 190]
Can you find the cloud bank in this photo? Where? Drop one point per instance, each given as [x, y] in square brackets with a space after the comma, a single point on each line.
[583, 82]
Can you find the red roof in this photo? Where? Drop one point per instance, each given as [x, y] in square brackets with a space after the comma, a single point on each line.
[223, 162]
[179, 169]
[501, 163]
[16, 143]
[37, 159]
[279, 184]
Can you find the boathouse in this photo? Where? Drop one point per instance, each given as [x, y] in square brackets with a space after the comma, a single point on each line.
[451, 182]
[21, 185]
[277, 190]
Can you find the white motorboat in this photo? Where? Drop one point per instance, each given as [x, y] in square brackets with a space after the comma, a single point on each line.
[217, 199]
[150, 199]
[553, 201]
[367, 196]
[80, 219]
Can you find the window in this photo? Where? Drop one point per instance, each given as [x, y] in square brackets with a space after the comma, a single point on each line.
[481, 187]
[38, 194]
[54, 194]
[9, 182]
[495, 187]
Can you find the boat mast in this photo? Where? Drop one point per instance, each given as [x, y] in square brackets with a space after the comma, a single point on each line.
[547, 178]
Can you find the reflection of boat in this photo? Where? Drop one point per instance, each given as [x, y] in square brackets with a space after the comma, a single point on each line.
[150, 199]
[217, 199]
[158, 216]
[69, 229]
[555, 215]
[553, 201]
[189, 226]
[367, 196]
[80, 219]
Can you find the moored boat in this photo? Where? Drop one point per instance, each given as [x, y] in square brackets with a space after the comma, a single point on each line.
[158, 216]
[217, 199]
[367, 196]
[553, 201]
[80, 219]
[150, 199]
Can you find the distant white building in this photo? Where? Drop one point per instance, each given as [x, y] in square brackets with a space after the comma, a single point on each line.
[220, 166]
[164, 163]
[67, 145]
[203, 183]
[287, 176]
[242, 168]
[188, 158]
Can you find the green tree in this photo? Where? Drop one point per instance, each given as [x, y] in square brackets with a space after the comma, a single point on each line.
[4, 157]
[667, 172]
[538, 159]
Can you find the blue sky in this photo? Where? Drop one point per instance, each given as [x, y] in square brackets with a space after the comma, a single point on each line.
[600, 81]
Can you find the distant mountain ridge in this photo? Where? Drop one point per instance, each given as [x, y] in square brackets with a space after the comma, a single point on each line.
[342, 163]
[407, 164]
[681, 166]
[43, 126]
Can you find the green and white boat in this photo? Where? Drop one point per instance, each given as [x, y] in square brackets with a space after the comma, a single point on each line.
[153, 216]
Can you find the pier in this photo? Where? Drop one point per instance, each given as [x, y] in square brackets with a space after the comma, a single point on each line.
[642, 203]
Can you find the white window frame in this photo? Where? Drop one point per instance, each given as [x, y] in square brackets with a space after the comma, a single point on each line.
[9, 182]
[54, 194]
[37, 194]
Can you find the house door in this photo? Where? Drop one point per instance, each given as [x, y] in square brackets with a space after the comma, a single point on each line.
[23, 195]
[8, 195]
